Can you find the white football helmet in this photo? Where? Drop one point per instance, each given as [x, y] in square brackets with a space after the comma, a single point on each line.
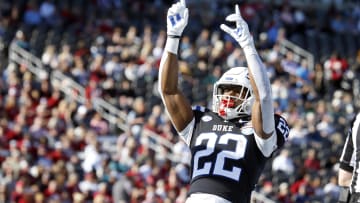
[230, 107]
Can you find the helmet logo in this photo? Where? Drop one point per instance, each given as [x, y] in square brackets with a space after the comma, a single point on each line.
[206, 118]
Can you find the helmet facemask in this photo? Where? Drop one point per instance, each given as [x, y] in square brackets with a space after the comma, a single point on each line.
[231, 106]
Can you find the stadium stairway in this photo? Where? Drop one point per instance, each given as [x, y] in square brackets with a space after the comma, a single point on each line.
[322, 44]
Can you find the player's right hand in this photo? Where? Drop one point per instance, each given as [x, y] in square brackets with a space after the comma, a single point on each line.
[241, 32]
[177, 19]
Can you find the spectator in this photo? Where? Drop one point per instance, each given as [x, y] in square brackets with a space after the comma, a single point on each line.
[98, 124]
[332, 189]
[284, 193]
[89, 185]
[289, 64]
[92, 157]
[32, 15]
[283, 163]
[312, 162]
[335, 68]
[49, 57]
[48, 12]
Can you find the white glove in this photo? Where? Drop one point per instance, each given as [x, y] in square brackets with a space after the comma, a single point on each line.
[241, 33]
[177, 19]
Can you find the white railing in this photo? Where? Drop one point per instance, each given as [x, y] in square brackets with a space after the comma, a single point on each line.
[68, 86]
[110, 113]
[75, 91]
[155, 141]
[22, 57]
[299, 53]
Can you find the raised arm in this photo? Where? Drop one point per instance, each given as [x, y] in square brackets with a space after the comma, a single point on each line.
[177, 106]
[262, 110]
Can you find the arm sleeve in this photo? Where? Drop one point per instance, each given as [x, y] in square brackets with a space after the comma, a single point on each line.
[262, 82]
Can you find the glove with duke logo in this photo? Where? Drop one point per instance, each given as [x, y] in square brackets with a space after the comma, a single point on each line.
[177, 19]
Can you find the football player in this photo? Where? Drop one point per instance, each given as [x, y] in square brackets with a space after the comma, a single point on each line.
[230, 143]
[348, 178]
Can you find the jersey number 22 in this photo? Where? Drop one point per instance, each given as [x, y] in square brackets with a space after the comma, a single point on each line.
[219, 162]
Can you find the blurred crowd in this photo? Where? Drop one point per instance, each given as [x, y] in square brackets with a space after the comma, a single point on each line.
[52, 148]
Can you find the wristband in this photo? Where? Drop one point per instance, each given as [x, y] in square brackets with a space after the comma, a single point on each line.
[172, 45]
[174, 36]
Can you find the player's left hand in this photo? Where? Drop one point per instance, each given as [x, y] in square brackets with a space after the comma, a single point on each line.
[241, 33]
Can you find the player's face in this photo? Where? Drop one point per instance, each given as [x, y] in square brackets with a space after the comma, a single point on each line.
[235, 91]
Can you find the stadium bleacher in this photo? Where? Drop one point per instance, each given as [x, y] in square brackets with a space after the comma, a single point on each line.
[41, 135]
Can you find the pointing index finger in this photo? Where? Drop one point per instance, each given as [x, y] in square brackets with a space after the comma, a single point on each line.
[182, 2]
[237, 12]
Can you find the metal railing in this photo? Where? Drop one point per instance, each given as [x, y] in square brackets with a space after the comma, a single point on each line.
[319, 4]
[67, 85]
[74, 91]
[299, 53]
[22, 57]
